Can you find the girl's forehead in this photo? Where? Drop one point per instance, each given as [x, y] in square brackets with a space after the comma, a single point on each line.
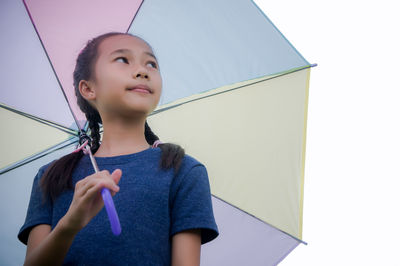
[117, 42]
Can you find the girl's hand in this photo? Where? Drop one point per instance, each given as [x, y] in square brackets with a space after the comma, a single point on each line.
[87, 201]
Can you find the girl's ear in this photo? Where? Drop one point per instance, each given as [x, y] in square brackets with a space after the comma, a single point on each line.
[86, 90]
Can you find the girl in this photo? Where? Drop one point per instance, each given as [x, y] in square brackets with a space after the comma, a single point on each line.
[162, 196]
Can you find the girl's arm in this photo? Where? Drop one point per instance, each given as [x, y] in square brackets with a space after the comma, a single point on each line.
[46, 247]
[186, 248]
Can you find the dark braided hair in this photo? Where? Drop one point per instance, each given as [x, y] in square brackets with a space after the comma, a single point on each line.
[57, 177]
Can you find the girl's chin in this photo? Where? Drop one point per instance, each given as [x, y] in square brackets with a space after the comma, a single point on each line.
[129, 109]
[139, 111]
[140, 106]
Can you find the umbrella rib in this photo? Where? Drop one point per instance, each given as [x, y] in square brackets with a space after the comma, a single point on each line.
[258, 219]
[41, 120]
[51, 64]
[38, 155]
[130, 24]
[217, 93]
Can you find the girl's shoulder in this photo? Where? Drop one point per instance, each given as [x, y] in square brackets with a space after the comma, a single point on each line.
[191, 168]
[189, 162]
[43, 169]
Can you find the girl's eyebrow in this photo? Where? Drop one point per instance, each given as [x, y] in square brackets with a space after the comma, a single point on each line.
[127, 51]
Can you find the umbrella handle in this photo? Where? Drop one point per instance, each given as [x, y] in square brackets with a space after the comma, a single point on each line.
[111, 211]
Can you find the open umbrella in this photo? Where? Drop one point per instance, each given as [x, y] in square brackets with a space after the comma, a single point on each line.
[235, 95]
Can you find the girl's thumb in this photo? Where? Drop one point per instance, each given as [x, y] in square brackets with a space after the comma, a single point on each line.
[116, 175]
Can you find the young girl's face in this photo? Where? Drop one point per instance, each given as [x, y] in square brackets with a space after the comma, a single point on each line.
[126, 78]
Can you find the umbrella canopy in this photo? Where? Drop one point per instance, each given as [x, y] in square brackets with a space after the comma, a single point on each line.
[235, 95]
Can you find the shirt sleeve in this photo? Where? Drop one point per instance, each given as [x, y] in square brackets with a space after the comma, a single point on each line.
[39, 210]
[191, 204]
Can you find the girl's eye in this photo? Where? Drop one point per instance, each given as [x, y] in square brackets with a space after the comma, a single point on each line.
[153, 64]
[122, 59]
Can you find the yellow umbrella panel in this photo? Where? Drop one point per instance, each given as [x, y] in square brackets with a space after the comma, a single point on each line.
[24, 137]
[251, 136]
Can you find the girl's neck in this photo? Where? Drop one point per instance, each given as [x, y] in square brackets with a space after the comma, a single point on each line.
[121, 137]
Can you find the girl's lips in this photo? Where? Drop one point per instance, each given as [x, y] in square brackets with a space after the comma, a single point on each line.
[141, 88]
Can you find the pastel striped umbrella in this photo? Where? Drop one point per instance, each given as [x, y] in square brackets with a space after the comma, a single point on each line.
[235, 96]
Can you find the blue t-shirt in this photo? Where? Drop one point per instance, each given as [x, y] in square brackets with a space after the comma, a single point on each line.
[153, 204]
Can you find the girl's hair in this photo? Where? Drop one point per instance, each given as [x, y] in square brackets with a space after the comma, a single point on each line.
[57, 177]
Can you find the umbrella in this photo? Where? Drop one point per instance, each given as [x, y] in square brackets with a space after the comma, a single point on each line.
[235, 95]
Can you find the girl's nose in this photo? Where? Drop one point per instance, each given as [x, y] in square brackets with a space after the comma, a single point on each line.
[141, 75]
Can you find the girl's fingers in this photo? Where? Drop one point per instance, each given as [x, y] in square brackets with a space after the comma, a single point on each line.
[87, 200]
[116, 175]
[96, 182]
[82, 191]
[93, 191]
[81, 187]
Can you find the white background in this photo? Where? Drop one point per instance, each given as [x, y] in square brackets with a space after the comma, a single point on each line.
[352, 176]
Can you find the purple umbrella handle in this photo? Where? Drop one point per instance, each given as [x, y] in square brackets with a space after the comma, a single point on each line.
[111, 211]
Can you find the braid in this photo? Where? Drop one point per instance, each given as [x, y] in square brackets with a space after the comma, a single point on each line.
[171, 154]
[94, 120]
